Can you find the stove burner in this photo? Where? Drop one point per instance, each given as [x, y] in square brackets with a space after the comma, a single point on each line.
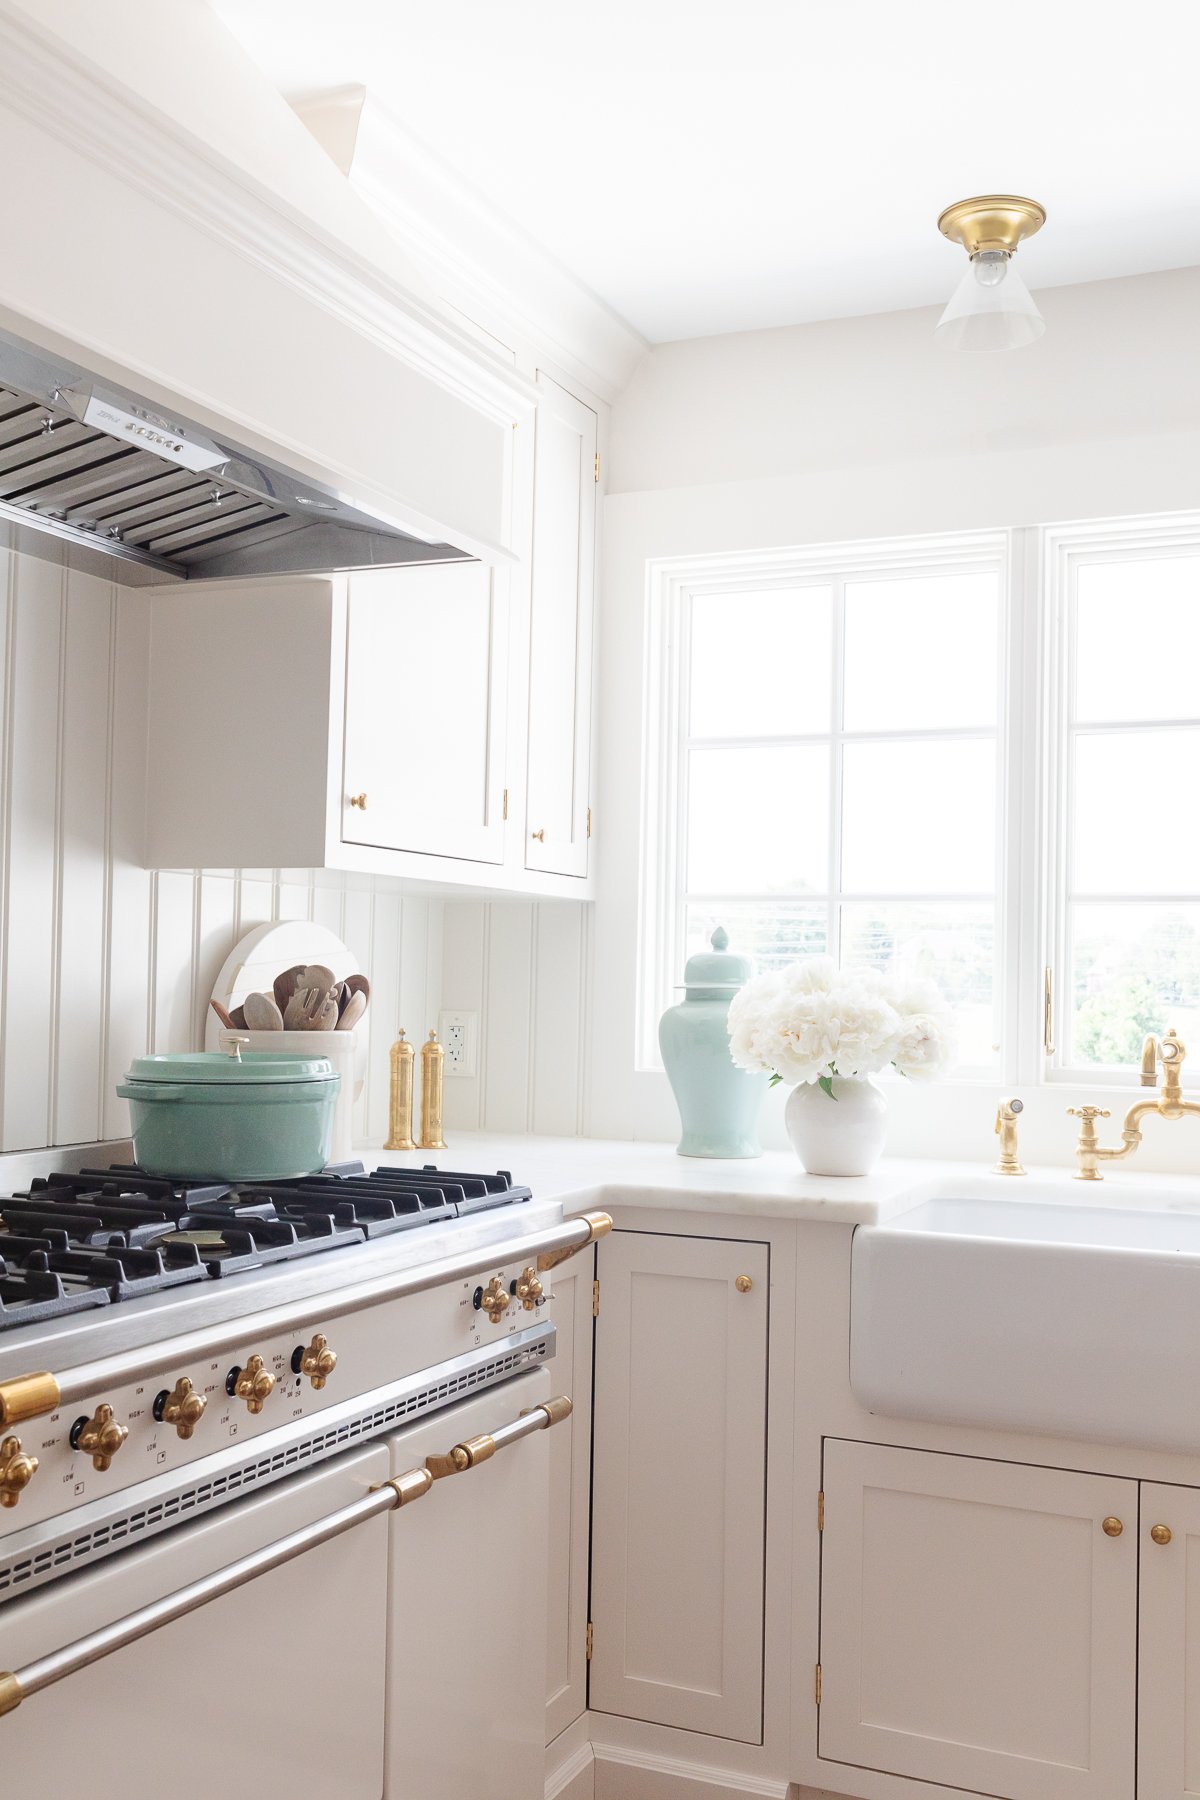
[100, 1236]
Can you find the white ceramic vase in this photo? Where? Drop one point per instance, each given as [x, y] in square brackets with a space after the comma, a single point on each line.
[839, 1136]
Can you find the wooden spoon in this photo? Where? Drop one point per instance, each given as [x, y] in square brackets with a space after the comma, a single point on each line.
[284, 985]
[225, 1018]
[356, 1006]
[262, 1014]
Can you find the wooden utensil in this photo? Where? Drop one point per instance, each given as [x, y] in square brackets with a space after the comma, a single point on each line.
[262, 1014]
[225, 1018]
[356, 1006]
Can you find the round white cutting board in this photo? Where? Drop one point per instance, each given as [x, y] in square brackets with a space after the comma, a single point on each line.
[264, 953]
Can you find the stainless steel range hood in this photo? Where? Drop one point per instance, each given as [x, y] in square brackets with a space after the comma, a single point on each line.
[87, 460]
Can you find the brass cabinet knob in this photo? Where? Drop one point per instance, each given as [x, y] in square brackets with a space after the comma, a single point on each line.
[16, 1471]
[528, 1289]
[744, 1283]
[494, 1299]
[317, 1362]
[539, 836]
[183, 1407]
[253, 1384]
[1161, 1534]
[99, 1437]
[359, 800]
[1112, 1527]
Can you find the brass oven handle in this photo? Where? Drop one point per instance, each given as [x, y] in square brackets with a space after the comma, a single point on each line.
[16, 1685]
[29, 1396]
[472, 1451]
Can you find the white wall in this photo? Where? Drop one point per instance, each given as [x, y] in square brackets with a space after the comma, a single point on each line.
[856, 429]
[101, 959]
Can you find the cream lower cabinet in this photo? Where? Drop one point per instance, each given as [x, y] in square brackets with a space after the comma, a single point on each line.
[679, 1479]
[1169, 1645]
[979, 1625]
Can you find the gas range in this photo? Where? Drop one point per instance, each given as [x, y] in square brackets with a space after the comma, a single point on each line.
[72, 1242]
[168, 1347]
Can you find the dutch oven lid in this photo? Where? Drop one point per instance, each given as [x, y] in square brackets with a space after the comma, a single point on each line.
[208, 1068]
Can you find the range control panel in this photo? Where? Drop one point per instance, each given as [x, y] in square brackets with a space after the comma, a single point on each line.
[117, 1439]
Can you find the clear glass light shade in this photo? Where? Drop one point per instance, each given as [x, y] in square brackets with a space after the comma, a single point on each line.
[990, 309]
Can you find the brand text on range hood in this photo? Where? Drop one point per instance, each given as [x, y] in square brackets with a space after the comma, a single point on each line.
[86, 460]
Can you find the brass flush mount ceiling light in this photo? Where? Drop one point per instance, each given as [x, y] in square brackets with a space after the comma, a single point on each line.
[991, 308]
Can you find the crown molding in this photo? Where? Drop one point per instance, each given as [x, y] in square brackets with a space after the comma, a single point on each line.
[485, 264]
[43, 79]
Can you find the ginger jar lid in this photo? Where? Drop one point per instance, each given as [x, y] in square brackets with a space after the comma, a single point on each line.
[719, 969]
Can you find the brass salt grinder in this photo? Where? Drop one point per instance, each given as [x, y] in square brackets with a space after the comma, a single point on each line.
[433, 1059]
[400, 1098]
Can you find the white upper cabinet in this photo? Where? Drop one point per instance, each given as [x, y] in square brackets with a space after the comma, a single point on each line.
[560, 632]
[426, 695]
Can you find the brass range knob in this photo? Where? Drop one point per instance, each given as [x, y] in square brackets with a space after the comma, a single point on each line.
[254, 1384]
[1161, 1534]
[494, 1299]
[16, 1471]
[317, 1362]
[527, 1288]
[99, 1437]
[183, 1407]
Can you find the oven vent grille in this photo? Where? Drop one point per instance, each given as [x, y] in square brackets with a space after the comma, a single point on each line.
[259, 1471]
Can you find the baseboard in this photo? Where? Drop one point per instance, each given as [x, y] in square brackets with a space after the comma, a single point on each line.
[624, 1774]
[574, 1779]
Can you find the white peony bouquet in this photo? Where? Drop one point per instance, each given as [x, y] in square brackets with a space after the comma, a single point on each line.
[812, 1021]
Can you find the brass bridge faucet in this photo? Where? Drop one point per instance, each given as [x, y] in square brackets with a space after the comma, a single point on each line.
[1169, 1103]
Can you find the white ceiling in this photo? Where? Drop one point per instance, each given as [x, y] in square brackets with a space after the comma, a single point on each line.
[719, 165]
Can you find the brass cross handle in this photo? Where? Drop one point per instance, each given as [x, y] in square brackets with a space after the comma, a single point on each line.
[1088, 1113]
[183, 1408]
[100, 1437]
[318, 1362]
[527, 1288]
[16, 1471]
[254, 1384]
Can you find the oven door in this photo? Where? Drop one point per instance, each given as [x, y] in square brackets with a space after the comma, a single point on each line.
[275, 1689]
[467, 1628]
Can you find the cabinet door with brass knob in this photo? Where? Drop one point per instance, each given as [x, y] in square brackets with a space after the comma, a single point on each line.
[1169, 1643]
[978, 1623]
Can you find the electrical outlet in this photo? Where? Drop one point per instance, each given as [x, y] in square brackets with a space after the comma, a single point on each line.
[459, 1035]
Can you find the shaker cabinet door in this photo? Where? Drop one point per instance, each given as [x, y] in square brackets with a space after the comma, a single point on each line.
[978, 1623]
[679, 1486]
[560, 632]
[1169, 1644]
[426, 685]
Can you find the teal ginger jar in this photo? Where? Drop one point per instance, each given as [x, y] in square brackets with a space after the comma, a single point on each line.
[718, 1102]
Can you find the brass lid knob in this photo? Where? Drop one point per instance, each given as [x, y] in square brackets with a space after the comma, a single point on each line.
[494, 1299]
[183, 1407]
[254, 1383]
[1161, 1534]
[100, 1437]
[528, 1289]
[16, 1471]
[1112, 1527]
[318, 1362]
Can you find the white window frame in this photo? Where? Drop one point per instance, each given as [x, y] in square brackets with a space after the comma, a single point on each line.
[1065, 549]
[671, 584]
[1034, 734]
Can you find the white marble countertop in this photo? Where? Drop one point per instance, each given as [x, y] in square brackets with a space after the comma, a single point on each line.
[583, 1172]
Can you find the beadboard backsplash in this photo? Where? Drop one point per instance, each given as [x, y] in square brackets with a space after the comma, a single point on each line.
[101, 959]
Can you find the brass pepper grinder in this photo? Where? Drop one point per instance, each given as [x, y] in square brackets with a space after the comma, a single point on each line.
[400, 1099]
[433, 1059]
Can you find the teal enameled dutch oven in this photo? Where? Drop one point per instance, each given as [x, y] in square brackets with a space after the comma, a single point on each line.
[260, 1117]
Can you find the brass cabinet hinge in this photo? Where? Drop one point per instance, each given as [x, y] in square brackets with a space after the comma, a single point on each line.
[591, 1640]
[597, 465]
[506, 803]
[817, 1685]
[595, 1299]
[589, 822]
[820, 1512]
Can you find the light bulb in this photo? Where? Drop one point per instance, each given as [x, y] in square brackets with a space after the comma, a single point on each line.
[990, 266]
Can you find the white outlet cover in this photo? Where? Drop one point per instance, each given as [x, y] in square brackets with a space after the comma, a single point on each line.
[458, 1033]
